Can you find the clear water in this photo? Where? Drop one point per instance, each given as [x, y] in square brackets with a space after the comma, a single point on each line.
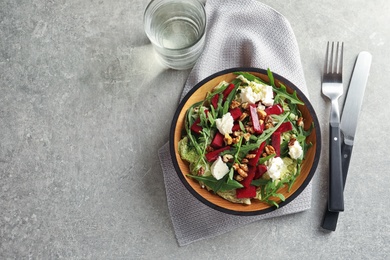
[177, 33]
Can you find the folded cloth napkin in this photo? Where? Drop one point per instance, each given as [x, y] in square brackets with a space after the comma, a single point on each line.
[242, 33]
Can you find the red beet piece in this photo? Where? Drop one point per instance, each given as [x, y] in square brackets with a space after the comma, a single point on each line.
[257, 127]
[274, 110]
[258, 152]
[246, 182]
[236, 127]
[284, 127]
[212, 156]
[227, 91]
[196, 128]
[246, 192]
[218, 141]
[275, 140]
[260, 170]
[214, 101]
[235, 113]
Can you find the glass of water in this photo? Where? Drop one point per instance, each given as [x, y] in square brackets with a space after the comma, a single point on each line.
[176, 29]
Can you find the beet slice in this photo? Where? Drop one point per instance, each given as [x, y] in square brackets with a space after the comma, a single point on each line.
[274, 110]
[218, 141]
[212, 156]
[284, 127]
[260, 170]
[251, 174]
[257, 127]
[275, 140]
[246, 192]
[235, 113]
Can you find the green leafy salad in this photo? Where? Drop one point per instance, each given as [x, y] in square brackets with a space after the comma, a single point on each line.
[246, 140]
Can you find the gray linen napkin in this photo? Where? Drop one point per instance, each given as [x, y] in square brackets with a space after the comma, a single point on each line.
[239, 33]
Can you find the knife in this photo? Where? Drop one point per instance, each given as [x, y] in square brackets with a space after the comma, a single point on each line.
[349, 121]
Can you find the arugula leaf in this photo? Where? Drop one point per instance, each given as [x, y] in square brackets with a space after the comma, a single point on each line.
[282, 92]
[218, 185]
[270, 190]
[229, 99]
[271, 78]
[259, 182]
[262, 160]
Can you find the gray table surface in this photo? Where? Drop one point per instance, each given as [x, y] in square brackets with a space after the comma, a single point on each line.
[84, 107]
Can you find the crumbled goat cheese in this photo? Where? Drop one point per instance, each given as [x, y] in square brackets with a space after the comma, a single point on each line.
[219, 169]
[275, 168]
[225, 124]
[295, 150]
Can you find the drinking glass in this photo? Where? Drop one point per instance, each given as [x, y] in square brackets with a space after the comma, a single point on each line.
[176, 29]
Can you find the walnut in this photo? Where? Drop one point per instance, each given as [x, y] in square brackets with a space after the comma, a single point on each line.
[236, 140]
[268, 122]
[242, 173]
[291, 142]
[300, 122]
[268, 125]
[239, 168]
[209, 149]
[261, 114]
[245, 105]
[236, 166]
[237, 133]
[244, 167]
[227, 157]
[269, 149]
[243, 116]
[250, 129]
[235, 104]
[228, 139]
[238, 178]
[201, 171]
[247, 136]
[250, 155]
[245, 160]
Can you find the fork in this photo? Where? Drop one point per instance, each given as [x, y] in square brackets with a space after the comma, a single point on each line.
[332, 87]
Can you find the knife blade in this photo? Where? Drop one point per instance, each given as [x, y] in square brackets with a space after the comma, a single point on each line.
[349, 122]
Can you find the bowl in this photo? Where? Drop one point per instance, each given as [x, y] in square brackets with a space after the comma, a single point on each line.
[308, 167]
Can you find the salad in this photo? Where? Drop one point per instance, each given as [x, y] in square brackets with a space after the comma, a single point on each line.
[246, 140]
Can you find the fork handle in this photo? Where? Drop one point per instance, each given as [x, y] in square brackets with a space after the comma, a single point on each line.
[336, 193]
[330, 218]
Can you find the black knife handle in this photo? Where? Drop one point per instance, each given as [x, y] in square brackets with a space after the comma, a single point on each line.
[330, 218]
[336, 194]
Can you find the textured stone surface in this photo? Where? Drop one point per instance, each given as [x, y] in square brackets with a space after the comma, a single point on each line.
[84, 108]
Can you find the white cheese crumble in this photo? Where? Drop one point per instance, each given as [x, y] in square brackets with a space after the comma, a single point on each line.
[247, 95]
[255, 92]
[225, 124]
[268, 99]
[275, 168]
[219, 169]
[295, 150]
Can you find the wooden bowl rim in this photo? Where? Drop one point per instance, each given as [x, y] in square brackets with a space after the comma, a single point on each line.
[278, 78]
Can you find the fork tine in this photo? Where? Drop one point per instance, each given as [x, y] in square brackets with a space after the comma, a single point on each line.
[331, 69]
[341, 57]
[334, 58]
[336, 64]
[326, 65]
